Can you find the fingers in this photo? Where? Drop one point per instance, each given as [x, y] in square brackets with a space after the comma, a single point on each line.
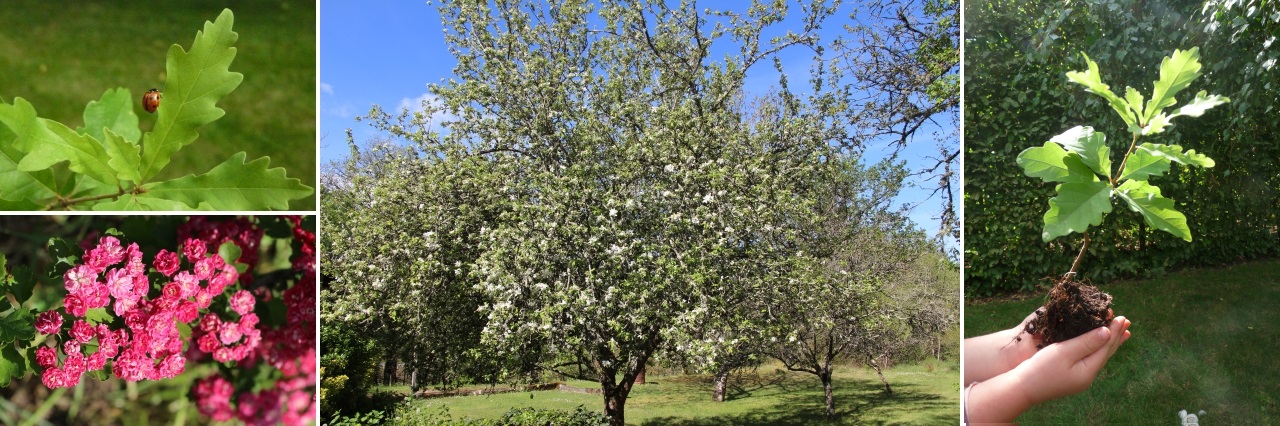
[1119, 332]
[1086, 344]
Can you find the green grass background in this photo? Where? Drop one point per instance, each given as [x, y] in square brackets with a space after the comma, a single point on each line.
[61, 55]
[1201, 340]
[927, 393]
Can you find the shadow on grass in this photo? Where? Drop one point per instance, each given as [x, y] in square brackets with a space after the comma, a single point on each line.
[743, 386]
[857, 402]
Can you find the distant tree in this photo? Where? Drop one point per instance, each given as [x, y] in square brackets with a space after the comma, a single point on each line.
[918, 305]
[903, 57]
[837, 306]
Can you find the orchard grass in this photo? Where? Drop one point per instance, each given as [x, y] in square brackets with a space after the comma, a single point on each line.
[1203, 339]
[59, 58]
[924, 393]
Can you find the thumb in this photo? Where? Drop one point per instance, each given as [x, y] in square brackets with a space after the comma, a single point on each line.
[1085, 344]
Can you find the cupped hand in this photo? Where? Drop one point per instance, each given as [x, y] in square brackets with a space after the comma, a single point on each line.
[1069, 367]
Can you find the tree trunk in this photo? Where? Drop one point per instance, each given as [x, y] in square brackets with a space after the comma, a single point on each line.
[722, 384]
[388, 371]
[615, 406]
[825, 376]
[876, 366]
[640, 376]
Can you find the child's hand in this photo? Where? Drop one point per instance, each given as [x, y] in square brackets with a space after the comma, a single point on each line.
[1069, 367]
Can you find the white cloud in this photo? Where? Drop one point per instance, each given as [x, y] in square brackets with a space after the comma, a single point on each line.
[416, 105]
[345, 110]
[326, 88]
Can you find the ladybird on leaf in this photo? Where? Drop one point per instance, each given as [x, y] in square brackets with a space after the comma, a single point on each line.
[151, 100]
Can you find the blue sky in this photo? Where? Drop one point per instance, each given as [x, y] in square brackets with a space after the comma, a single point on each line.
[386, 52]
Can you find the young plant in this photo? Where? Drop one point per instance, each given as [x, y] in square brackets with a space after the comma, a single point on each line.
[1079, 162]
[111, 165]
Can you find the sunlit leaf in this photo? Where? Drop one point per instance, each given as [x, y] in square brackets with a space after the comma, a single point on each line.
[1077, 207]
[1158, 211]
[1089, 145]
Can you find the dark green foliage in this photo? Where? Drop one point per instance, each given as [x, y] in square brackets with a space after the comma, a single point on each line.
[347, 352]
[1017, 96]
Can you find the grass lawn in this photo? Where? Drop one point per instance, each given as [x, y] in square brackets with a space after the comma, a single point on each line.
[923, 394]
[59, 56]
[1201, 340]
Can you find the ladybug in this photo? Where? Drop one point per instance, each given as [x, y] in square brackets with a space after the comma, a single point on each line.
[151, 100]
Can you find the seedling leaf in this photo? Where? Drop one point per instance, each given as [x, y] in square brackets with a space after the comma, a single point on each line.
[1176, 73]
[1051, 163]
[1143, 164]
[1174, 153]
[1089, 145]
[1091, 79]
[1077, 207]
[1158, 211]
[1201, 103]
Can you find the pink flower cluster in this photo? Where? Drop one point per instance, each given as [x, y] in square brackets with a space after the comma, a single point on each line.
[290, 349]
[149, 346]
[240, 231]
[134, 313]
[231, 340]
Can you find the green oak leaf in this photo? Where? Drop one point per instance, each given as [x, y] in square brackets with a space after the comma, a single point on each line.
[1157, 124]
[124, 156]
[140, 202]
[1135, 100]
[1174, 153]
[1144, 163]
[196, 81]
[1201, 103]
[1089, 145]
[1176, 73]
[1077, 206]
[1158, 211]
[113, 111]
[1091, 79]
[234, 185]
[18, 325]
[1054, 164]
[12, 365]
[21, 187]
[48, 142]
